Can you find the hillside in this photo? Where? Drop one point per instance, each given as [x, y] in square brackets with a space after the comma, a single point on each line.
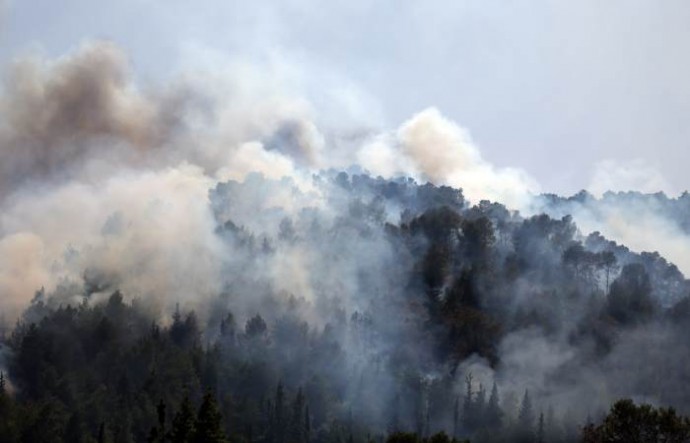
[351, 307]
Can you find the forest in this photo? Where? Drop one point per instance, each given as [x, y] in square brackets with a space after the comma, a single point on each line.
[360, 309]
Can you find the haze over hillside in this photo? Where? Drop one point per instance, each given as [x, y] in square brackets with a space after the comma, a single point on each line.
[208, 236]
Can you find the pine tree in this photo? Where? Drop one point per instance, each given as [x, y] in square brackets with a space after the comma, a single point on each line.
[551, 425]
[494, 415]
[160, 410]
[101, 433]
[123, 428]
[157, 433]
[74, 432]
[526, 420]
[467, 409]
[297, 429]
[183, 423]
[479, 407]
[209, 422]
[307, 425]
[153, 436]
[278, 425]
[7, 422]
[541, 429]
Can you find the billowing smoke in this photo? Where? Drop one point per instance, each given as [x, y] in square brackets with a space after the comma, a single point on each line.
[57, 113]
[433, 148]
[93, 165]
[83, 115]
[100, 176]
[224, 194]
[147, 232]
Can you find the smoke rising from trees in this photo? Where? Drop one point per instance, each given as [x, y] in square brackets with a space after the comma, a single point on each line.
[149, 203]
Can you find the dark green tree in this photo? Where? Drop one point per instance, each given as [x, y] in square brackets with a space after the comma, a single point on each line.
[183, 423]
[629, 423]
[525, 424]
[75, 431]
[494, 415]
[255, 327]
[541, 431]
[209, 422]
[403, 437]
[607, 261]
[629, 300]
[468, 405]
[297, 429]
[101, 433]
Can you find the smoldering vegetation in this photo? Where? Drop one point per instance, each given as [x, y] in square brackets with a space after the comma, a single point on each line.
[384, 306]
[162, 253]
[643, 222]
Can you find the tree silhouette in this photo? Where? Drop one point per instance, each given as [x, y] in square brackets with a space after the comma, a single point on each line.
[209, 424]
[183, 423]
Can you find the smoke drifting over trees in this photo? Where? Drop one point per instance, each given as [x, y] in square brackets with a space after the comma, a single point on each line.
[198, 262]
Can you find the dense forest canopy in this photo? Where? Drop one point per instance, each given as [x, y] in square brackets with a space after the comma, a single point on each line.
[354, 308]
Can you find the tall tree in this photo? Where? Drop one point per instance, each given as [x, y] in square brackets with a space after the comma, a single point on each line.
[307, 425]
[183, 423]
[467, 405]
[494, 415]
[627, 422]
[480, 406]
[297, 429]
[541, 429]
[607, 261]
[525, 432]
[629, 300]
[209, 422]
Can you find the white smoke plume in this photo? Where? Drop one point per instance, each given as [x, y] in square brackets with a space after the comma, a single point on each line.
[433, 148]
[99, 175]
[98, 171]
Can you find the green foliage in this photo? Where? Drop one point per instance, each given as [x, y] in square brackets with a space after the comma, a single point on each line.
[403, 437]
[255, 327]
[630, 298]
[630, 423]
[524, 431]
[183, 424]
[103, 371]
[208, 427]
[407, 437]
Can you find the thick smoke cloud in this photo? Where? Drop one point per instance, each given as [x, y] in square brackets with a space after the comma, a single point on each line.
[433, 148]
[85, 108]
[98, 173]
[149, 233]
[85, 149]
[216, 193]
[58, 112]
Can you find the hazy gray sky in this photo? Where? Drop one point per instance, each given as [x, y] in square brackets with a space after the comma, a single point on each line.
[584, 93]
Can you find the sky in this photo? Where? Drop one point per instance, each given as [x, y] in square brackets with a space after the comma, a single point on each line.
[584, 94]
